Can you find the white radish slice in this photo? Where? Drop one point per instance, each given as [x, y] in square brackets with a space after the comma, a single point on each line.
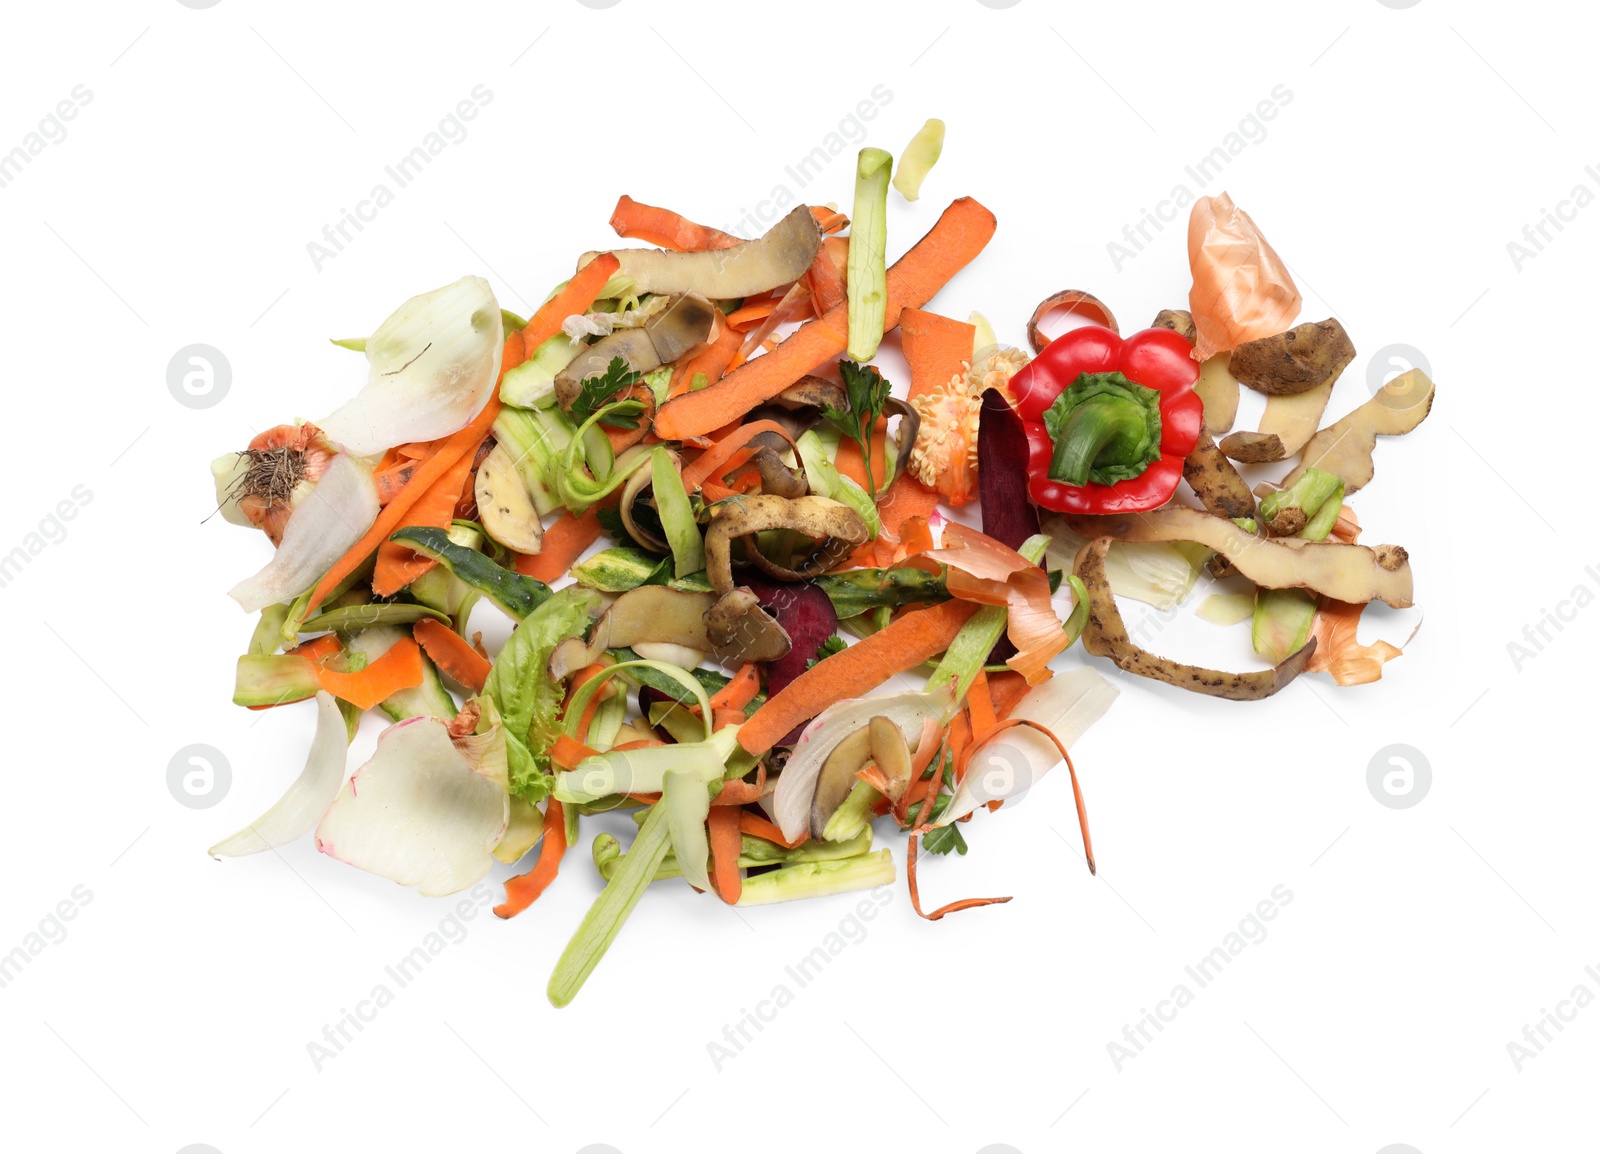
[296, 813]
[432, 366]
[417, 813]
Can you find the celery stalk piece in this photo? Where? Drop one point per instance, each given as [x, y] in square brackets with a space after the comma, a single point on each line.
[753, 852]
[684, 795]
[854, 815]
[825, 480]
[532, 384]
[1287, 511]
[268, 633]
[603, 922]
[677, 516]
[973, 644]
[866, 283]
[1326, 516]
[818, 879]
[918, 159]
[1282, 622]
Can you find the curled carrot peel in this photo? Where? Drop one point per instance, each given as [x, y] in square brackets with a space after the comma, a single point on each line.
[723, 457]
[567, 752]
[959, 236]
[575, 297]
[711, 362]
[757, 826]
[949, 907]
[1072, 772]
[524, 889]
[666, 229]
[722, 830]
[741, 690]
[564, 542]
[399, 668]
[903, 644]
[452, 653]
[399, 565]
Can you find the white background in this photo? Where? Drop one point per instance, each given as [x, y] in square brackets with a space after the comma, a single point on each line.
[178, 1007]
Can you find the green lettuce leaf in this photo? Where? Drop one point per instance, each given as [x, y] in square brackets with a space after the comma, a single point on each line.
[528, 699]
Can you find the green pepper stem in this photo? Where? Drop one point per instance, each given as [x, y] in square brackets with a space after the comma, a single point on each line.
[1095, 425]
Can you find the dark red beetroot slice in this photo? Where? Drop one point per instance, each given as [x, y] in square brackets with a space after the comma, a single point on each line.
[1008, 513]
[807, 616]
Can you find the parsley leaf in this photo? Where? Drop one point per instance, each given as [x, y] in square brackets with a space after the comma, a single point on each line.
[944, 839]
[865, 391]
[828, 648]
[597, 391]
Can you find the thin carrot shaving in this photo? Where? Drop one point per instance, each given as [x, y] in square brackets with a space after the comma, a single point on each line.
[564, 542]
[578, 679]
[641, 743]
[627, 438]
[906, 499]
[748, 315]
[567, 752]
[722, 830]
[980, 706]
[666, 229]
[948, 907]
[523, 890]
[711, 363]
[743, 792]
[795, 305]
[318, 649]
[741, 690]
[757, 826]
[722, 718]
[399, 565]
[452, 653]
[927, 746]
[826, 274]
[870, 774]
[829, 220]
[1006, 689]
[1072, 772]
[399, 668]
[720, 458]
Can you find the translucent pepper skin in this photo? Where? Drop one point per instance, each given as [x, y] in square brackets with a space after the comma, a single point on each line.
[1155, 358]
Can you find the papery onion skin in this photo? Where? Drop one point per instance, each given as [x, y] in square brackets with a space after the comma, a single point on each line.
[321, 529]
[302, 805]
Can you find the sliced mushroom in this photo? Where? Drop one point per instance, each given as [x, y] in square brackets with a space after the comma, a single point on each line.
[777, 478]
[665, 337]
[1106, 636]
[892, 755]
[505, 507]
[798, 408]
[838, 775]
[740, 630]
[836, 527]
[779, 257]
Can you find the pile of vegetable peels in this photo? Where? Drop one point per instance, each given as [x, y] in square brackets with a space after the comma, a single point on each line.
[742, 613]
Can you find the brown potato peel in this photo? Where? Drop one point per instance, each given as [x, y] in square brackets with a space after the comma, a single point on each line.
[1352, 573]
[1215, 481]
[1345, 447]
[1106, 636]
